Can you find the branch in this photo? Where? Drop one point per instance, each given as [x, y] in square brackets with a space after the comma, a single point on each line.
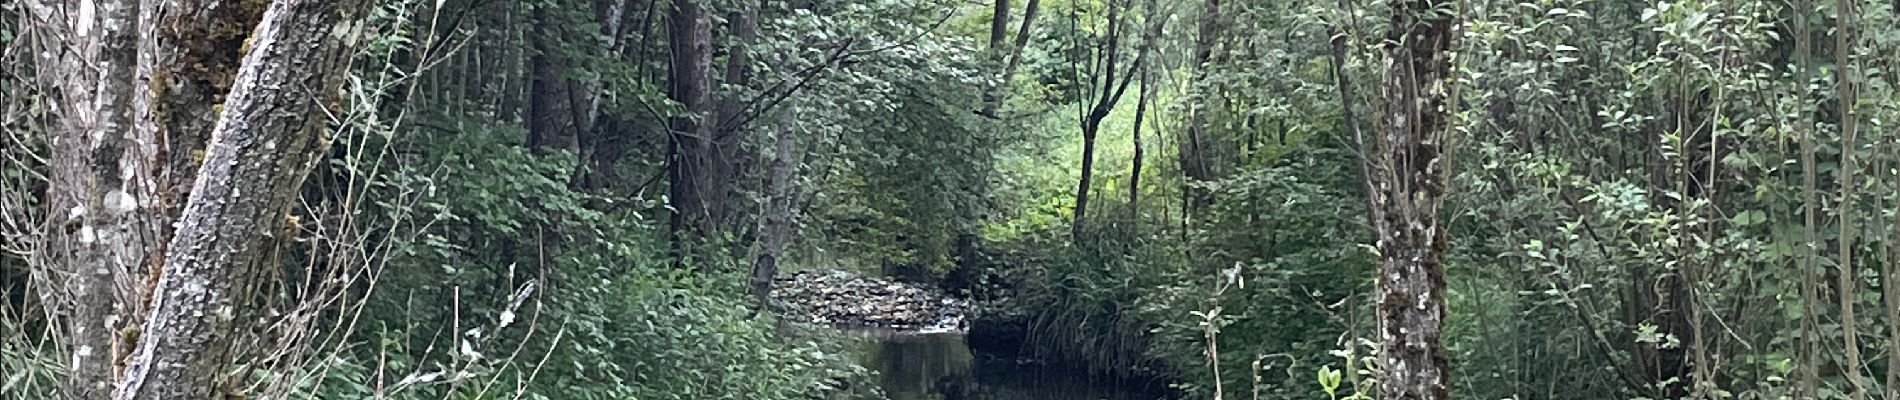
[751, 111]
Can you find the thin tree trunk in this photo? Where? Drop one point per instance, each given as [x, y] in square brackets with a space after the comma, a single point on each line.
[1156, 21]
[1849, 291]
[728, 161]
[1343, 83]
[1111, 93]
[778, 212]
[999, 27]
[1196, 151]
[999, 36]
[1015, 57]
[1409, 190]
[1082, 187]
[1134, 172]
[1890, 274]
[100, 177]
[1810, 348]
[597, 157]
[268, 136]
[744, 26]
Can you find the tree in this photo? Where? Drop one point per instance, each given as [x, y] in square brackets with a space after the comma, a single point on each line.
[994, 103]
[1110, 93]
[269, 134]
[1408, 182]
[1156, 21]
[555, 120]
[694, 188]
[1197, 147]
[1809, 350]
[781, 191]
[1849, 293]
[100, 177]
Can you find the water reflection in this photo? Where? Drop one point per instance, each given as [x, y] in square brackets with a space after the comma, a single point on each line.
[940, 367]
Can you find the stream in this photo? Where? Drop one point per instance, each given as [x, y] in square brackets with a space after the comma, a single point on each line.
[931, 366]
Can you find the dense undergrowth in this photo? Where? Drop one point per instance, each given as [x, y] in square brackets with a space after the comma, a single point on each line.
[1633, 185]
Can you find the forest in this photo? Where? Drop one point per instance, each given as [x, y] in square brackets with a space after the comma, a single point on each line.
[950, 199]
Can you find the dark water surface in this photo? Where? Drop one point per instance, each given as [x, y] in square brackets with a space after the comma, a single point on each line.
[936, 366]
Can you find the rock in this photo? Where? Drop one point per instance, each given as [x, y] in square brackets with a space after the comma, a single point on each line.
[840, 298]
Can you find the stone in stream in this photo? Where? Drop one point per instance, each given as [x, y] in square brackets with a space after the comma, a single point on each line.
[840, 298]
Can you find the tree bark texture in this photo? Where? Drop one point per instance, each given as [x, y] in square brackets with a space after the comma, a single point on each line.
[690, 151]
[1409, 189]
[269, 133]
[96, 242]
[1134, 171]
[190, 57]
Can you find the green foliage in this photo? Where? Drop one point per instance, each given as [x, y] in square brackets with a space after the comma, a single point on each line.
[1625, 197]
[554, 299]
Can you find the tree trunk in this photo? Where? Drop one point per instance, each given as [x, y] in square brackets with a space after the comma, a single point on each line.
[778, 212]
[1148, 38]
[1890, 276]
[1849, 292]
[100, 177]
[1015, 58]
[1088, 165]
[1134, 171]
[1195, 152]
[554, 122]
[1809, 385]
[727, 161]
[1409, 189]
[191, 56]
[268, 136]
[690, 149]
[999, 27]
[745, 29]
[1111, 93]
[605, 141]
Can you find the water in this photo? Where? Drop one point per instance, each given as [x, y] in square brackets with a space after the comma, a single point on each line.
[937, 366]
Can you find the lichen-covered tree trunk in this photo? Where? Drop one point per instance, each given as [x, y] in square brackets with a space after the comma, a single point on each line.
[96, 240]
[1408, 190]
[269, 133]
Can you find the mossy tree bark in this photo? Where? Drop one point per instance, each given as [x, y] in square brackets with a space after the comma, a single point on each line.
[270, 131]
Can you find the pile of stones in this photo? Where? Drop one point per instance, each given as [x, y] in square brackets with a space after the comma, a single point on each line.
[846, 299]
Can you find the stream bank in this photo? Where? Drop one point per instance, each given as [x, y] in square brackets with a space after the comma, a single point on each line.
[935, 366]
[917, 338]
